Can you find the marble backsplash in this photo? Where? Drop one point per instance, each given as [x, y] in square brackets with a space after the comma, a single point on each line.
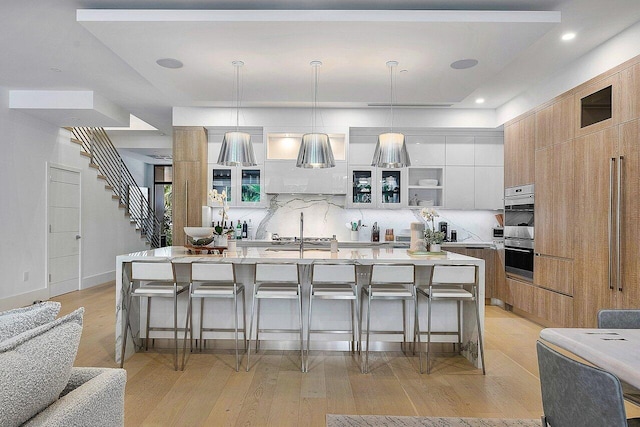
[326, 215]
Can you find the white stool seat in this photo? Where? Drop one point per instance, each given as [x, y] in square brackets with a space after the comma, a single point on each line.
[158, 290]
[443, 293]
[333, 291]
[275, 290]
[214, 289]
[397, 291]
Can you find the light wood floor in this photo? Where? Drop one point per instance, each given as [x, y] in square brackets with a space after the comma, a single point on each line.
[210, 393]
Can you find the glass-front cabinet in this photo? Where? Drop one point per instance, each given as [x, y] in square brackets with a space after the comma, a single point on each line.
[244, 185]
[371, 187]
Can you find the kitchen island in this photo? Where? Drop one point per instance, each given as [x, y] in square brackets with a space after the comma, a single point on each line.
[444, 312]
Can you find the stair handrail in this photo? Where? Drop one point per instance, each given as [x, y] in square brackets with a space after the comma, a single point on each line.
[111, 166]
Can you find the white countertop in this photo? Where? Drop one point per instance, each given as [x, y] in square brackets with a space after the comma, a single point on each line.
[250, 255]
[354, 244]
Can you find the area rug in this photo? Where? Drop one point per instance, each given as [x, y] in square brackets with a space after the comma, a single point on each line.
[397, 421]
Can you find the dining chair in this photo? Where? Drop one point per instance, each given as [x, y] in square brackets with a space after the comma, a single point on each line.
[575, 394]
[619, 319]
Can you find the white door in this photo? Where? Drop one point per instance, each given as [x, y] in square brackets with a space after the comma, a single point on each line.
[64, 230]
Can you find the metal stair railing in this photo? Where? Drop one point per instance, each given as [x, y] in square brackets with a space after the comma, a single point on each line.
[105, 156]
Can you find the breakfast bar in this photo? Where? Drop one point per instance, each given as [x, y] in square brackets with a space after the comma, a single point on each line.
[444, 313]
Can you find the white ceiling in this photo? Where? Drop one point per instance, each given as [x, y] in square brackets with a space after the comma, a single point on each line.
[116, 60]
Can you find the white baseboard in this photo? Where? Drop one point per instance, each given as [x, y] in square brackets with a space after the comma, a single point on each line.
[23, 300]
[98, 279]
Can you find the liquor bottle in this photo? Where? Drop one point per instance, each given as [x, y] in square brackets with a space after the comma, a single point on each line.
[245, 230]
[239, 229]
[250, 230]
[232, 231]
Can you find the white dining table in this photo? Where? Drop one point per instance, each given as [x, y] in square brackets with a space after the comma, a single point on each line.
[614, 350]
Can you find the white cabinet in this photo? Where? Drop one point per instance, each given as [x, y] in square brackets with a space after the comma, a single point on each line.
[371, 187]
[425, 186]
[460, 150]
[489, 187]
[460, 192]
[489, 151]
[244, 185]
[426, 149]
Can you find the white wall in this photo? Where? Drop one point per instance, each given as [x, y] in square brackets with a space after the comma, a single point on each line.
[27, 145]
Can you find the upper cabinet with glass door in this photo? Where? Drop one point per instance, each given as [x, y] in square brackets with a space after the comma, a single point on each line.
[244, 184]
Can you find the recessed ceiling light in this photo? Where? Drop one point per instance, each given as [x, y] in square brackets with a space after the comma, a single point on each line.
[404, 71]
[463, 64]
[169, 63]
[55, 69]
[480, 101]
[568, 36]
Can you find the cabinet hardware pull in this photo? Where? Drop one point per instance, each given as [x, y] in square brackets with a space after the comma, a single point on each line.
[517, 250]
[610, 218]
[619, 276]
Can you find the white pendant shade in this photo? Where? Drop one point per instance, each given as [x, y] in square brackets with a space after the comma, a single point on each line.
[315, 148]
[391, 151]
[236, 150]
[315, 151]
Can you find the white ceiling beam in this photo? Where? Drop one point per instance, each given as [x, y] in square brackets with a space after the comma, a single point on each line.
[478, 16]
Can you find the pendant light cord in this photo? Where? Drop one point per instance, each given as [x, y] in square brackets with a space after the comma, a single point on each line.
[391, 65]
[237, 97]
[315, 97]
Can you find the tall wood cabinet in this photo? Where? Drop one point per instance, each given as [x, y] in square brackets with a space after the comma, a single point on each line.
[189, 187]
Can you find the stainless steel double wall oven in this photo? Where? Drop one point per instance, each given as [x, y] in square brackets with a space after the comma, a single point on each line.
[519, 231]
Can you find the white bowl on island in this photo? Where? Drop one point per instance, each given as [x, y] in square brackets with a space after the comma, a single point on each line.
[197, 233]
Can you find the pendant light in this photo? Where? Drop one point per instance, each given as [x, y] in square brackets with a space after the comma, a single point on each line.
[315, 149]
[391, 150]
[237, 149]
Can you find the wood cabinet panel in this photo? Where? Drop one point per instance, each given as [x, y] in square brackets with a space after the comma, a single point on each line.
[190, 144]
[563, 119]
[554, 307]
[553, 273]
[520, 295]
[500, 285]
[544, 128]
[519, 148]
[554, 207]
[629, 151]
[593, 160]
[630, 93]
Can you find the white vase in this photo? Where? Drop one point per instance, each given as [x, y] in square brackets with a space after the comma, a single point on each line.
[435, 247]
[220, 241]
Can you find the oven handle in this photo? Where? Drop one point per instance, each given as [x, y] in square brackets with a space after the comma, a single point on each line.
[527, 251]
[610, 219]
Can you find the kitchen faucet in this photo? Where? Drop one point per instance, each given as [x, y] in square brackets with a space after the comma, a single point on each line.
[301, 234]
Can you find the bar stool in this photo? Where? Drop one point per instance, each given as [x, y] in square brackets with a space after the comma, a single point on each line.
[332, 281]
[275, 281]
[447, 283]
[215, 281]
[388, 282]
[160, 278]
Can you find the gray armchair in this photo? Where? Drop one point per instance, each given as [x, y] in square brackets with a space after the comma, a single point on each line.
[92, 397]
[575, 394]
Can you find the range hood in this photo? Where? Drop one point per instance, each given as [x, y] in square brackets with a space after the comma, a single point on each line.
[283, 177]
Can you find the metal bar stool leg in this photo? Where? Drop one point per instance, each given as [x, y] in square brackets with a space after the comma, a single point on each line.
[127, 326]
[309, 325]
[484, 371]
[302, 364]
[253, 309]
[175, 330]
[258, 327]
[146, 340]
[235, 326]
[429, 331]
[366, 355]
[201, 343]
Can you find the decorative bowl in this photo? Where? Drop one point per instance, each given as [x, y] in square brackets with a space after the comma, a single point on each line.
[428, 182]
[197, 233]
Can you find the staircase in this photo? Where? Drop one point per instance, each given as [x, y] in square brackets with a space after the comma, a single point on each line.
[104, 157]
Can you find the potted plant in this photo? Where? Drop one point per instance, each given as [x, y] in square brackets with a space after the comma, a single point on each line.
[432, 238]
[219, 233]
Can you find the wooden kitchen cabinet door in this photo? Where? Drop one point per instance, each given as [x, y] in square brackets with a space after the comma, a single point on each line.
[630, 93]
[554, 207]
[553, 273]
[593, 177]
[519, 148]
[629, 153]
